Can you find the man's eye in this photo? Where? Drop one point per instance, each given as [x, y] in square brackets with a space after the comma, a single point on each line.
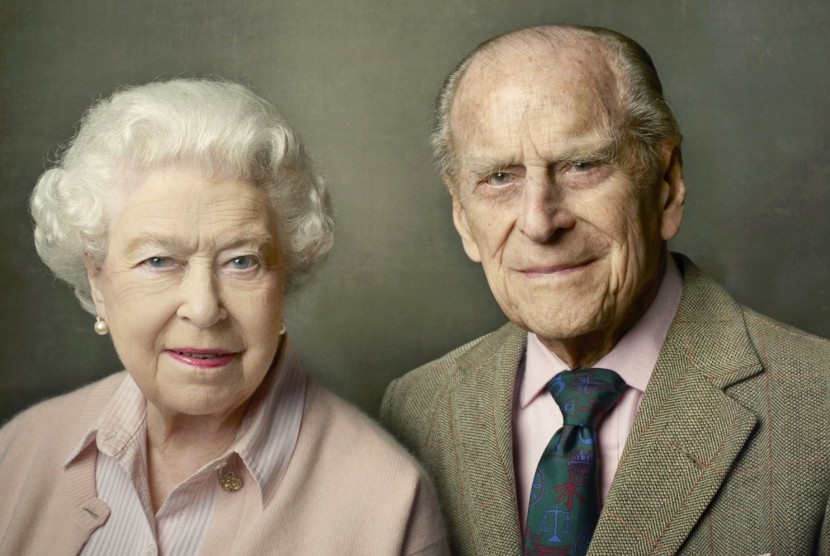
[158, 262]
[244, 262]
[499, 178]
[582, 166]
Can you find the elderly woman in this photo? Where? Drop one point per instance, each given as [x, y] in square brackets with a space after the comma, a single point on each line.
[181, 213]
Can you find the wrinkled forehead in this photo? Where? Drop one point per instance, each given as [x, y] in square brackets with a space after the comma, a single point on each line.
[520, 81]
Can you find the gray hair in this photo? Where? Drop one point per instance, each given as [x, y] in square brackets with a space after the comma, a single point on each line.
[222, 128]
[649, 121]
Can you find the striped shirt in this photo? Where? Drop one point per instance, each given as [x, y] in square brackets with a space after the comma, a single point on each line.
[259, 455]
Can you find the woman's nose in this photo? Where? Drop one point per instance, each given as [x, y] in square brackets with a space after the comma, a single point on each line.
[200, 297]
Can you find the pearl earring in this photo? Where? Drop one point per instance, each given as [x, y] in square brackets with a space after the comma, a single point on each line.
[101, 327]
[282, 329]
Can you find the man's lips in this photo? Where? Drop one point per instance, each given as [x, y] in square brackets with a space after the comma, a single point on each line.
[202, 357]
[554, 269]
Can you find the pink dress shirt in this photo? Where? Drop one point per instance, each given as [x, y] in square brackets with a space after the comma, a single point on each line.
[536, 417]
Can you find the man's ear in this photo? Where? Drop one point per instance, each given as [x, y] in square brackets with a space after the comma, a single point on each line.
[672, 192]
[462, 226]
[93, 274]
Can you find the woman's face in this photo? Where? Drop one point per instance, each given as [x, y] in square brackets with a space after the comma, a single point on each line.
[191, 289]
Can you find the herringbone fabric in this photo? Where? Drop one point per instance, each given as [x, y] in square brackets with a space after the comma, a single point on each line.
[564, 499]
[729, 453]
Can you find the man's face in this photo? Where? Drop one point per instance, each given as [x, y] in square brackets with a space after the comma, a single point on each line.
[569, 237]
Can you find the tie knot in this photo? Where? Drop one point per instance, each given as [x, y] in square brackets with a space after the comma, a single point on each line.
[584, 395]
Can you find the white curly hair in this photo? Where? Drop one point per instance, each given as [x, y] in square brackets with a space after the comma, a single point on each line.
[222, 128]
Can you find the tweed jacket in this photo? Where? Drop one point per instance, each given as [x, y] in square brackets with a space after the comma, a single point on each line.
[729, 452]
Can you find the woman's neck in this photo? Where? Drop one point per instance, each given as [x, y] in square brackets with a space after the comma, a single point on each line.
[179, 445]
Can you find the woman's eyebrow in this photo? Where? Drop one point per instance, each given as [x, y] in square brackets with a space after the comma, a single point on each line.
[148, 239]
[170, 244]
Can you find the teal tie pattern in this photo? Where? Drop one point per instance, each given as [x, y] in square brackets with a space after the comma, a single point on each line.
[564, 498]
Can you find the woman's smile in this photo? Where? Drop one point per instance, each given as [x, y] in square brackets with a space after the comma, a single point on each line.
[202, 358]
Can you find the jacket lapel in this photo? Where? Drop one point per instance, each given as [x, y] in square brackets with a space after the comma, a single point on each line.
[484, 402]
[687, 431]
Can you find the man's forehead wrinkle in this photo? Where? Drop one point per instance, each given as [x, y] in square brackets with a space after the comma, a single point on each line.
[586, 65]
[498, 109]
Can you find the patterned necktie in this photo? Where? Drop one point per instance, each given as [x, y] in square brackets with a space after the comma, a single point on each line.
[564, 499]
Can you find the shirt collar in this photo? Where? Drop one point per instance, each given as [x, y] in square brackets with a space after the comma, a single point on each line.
[271, 426]
[266, 438]
[121, 419]
[633, 357]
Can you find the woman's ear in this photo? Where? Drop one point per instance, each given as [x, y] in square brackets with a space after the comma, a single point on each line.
[93, 275]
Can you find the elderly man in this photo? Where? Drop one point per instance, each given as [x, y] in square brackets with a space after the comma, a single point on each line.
[627, 380]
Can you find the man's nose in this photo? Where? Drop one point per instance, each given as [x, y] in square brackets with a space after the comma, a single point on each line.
[543, 209]
[200, 297]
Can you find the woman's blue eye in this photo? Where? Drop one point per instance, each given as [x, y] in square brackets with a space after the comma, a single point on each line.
[158, 262]
[244, 262]
[582, 166]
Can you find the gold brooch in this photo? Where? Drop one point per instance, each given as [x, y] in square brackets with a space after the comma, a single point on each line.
[230, 481]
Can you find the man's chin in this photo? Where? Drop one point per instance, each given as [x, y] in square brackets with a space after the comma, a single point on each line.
[560, 332]
[557, 315]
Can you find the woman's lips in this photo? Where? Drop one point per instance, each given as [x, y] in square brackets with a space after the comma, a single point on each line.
[202, 358]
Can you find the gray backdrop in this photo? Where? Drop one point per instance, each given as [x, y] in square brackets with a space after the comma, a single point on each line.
[357, 78]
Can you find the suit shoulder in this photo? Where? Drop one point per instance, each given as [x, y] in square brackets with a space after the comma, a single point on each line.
[437, 371]
[411, 401]
[782, 346]
[434, 377]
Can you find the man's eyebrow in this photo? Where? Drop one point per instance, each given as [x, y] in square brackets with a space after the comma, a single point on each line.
[605, 151]
[478, 166]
